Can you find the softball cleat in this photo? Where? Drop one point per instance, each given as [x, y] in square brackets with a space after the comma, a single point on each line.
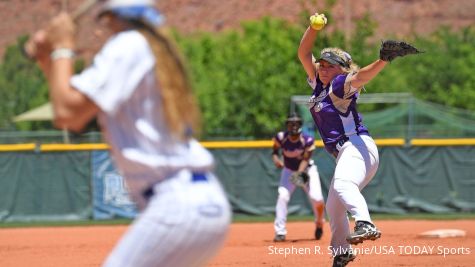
[363, 231]
[343, 259]
[279, 238]
[318, 233]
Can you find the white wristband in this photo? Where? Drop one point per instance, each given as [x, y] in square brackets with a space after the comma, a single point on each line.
[62, 53]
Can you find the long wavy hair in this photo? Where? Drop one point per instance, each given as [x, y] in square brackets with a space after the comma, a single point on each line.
[181, 111]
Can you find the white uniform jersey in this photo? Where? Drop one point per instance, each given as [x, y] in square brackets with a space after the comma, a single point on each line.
[121, 81]
[183, 205]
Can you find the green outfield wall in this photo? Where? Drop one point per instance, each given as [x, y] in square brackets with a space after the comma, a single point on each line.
[45, 186]
[65, 182]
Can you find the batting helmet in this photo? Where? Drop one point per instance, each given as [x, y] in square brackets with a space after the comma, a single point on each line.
[141, 10]
[294, 124]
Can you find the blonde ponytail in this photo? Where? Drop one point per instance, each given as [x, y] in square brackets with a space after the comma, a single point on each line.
[180, 107]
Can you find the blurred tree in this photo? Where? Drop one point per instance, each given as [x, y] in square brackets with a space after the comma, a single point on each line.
[442, 74]
[244, 78]
[22, 87]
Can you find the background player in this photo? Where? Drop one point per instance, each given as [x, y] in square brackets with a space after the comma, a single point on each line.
[336, 82]
[297, 151]
[138, 87]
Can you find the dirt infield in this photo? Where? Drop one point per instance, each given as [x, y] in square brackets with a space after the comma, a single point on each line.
[249, 244]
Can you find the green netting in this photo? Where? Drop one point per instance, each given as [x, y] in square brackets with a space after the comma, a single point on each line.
[433, 120]
[411, 119]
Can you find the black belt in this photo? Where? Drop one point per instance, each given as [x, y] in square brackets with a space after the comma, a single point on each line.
[195, 177]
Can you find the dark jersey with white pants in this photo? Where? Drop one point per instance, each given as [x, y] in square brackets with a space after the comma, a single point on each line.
[333, 109]
[293, 151]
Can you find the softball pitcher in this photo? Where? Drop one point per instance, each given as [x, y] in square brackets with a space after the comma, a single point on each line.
[336, 82]
[297, 151]
[138, 88]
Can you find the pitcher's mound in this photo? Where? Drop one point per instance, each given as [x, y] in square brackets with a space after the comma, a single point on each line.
[442, 233]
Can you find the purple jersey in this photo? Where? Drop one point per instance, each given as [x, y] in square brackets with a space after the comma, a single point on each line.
[333, 109]
[293, 150]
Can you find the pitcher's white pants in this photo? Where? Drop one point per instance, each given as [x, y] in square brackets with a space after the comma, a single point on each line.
[356, 165]
[287, 188]
[184, 224]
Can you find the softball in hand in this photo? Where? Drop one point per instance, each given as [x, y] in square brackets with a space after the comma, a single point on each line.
[318, 21]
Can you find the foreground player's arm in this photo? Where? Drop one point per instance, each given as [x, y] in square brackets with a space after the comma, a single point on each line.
[72, 109]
